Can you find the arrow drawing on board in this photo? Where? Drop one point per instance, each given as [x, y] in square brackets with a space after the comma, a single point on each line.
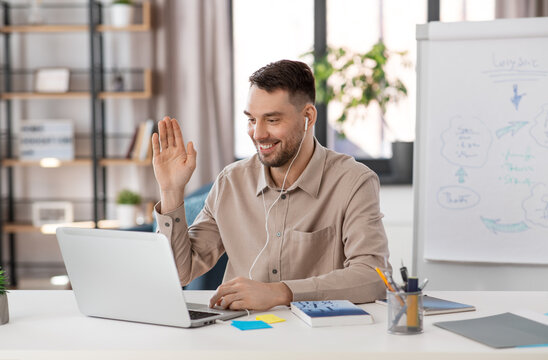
[495, 227]
[517, 97]
[514, 127]
[461, 174]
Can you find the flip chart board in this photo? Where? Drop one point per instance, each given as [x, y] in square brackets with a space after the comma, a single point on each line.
[481, 165]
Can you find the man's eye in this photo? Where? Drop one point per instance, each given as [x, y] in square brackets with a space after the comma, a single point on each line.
[272, 120]
[251, 120]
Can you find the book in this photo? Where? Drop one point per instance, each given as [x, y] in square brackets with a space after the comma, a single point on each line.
[129, 151]
[330, 313]
[146, 143]
[434, 306]
[500, 331]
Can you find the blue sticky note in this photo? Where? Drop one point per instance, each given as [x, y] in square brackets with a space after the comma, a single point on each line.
[250, 325]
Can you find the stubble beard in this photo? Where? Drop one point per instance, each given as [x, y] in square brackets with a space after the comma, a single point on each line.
[284, 155]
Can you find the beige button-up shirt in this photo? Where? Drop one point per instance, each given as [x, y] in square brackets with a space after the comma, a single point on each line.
[325, 233]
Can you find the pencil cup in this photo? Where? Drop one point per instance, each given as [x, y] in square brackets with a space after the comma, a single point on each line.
[405, 312]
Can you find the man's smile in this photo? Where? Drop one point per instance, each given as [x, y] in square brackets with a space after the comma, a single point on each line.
[267, 148]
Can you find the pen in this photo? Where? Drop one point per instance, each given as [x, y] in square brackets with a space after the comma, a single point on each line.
[423, 284]
[403, 272]
[390, 285]
[384, 280]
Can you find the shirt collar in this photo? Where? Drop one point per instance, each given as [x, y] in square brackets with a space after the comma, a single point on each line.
[310, 179]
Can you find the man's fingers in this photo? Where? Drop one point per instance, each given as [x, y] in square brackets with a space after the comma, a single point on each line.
[222, 291]
[178, 134]
[170, 137]
[227, 300]
[191, 155]
[163, 133]
[238, 305]
[155, 145]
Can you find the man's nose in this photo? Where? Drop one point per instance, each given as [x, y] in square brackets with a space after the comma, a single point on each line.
[260, 131]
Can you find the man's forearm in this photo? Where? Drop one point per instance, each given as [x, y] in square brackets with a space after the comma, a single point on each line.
[170, 200]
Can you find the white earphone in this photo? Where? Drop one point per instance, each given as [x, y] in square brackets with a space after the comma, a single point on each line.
[267, 212]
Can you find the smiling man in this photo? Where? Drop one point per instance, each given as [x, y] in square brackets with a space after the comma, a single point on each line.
[298, 221]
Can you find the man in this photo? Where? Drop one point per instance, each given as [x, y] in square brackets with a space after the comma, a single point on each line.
[298, 221]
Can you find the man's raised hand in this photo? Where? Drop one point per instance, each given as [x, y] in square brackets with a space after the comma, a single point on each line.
[173, 164]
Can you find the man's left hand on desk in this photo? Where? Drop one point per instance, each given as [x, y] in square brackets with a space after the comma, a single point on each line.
[241, 293]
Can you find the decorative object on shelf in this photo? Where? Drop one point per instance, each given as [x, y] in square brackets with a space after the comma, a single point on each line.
[117, 81]
[52, 212]
[36, 13]
[52, 80]
[121, 13]
[126, 209]
[4, 309]
[40, 139]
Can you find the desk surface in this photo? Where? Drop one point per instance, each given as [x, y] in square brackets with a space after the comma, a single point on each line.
[47, 324]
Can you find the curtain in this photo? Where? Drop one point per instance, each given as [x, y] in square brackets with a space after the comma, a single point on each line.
[194, 79]
[522, 8]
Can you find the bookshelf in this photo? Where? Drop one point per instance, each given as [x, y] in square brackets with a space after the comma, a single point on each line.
[96, 95]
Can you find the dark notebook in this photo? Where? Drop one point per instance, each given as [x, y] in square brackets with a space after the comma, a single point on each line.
[500, 331]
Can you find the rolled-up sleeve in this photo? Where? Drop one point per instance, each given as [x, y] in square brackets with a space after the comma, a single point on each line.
[197, 248]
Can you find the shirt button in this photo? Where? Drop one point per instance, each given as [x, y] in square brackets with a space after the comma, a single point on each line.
[283, 196]
[278, 234]
[274, 271]
[166, 224]
[177, 220]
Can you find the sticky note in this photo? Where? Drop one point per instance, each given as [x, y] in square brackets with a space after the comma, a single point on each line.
[250, 325]
[270, 318]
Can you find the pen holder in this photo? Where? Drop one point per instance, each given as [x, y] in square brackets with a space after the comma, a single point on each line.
[405, 312]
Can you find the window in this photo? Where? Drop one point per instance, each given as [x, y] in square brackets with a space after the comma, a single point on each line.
[269, 30]
[358, 25]
[265, 31]
[467, 10]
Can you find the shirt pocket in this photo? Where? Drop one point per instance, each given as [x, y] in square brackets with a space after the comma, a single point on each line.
[310, 253]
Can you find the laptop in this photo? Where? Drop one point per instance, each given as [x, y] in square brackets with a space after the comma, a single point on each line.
[131, 276]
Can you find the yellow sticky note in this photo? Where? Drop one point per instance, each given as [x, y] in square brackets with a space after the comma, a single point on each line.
[270, 319]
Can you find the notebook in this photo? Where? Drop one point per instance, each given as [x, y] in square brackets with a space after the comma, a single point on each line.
[434, 306]
[127, 275]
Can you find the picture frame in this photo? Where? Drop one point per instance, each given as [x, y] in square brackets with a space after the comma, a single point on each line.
[52, 80]
[52, 212]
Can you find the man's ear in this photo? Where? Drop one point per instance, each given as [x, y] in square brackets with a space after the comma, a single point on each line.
[311, 113]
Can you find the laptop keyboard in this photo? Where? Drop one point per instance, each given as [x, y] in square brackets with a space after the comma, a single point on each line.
[195, 315]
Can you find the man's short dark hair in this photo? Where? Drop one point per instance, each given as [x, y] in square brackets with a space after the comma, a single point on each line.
[293, 76]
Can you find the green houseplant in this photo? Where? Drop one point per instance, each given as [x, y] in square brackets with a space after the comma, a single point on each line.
[4, 309]
[127, 205]
[358, 80]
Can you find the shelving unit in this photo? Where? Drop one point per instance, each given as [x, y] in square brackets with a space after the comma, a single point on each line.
[97, 93]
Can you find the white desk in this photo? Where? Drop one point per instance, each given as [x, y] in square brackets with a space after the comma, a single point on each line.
[47, 324]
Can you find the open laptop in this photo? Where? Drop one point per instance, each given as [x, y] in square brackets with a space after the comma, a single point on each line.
[127, 275]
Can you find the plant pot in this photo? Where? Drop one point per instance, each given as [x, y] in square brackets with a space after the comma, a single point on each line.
[126, 215]
[4, 310]
[401, 163]
[121, 15]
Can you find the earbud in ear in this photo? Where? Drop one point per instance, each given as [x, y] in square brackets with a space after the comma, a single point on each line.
[305, 123]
